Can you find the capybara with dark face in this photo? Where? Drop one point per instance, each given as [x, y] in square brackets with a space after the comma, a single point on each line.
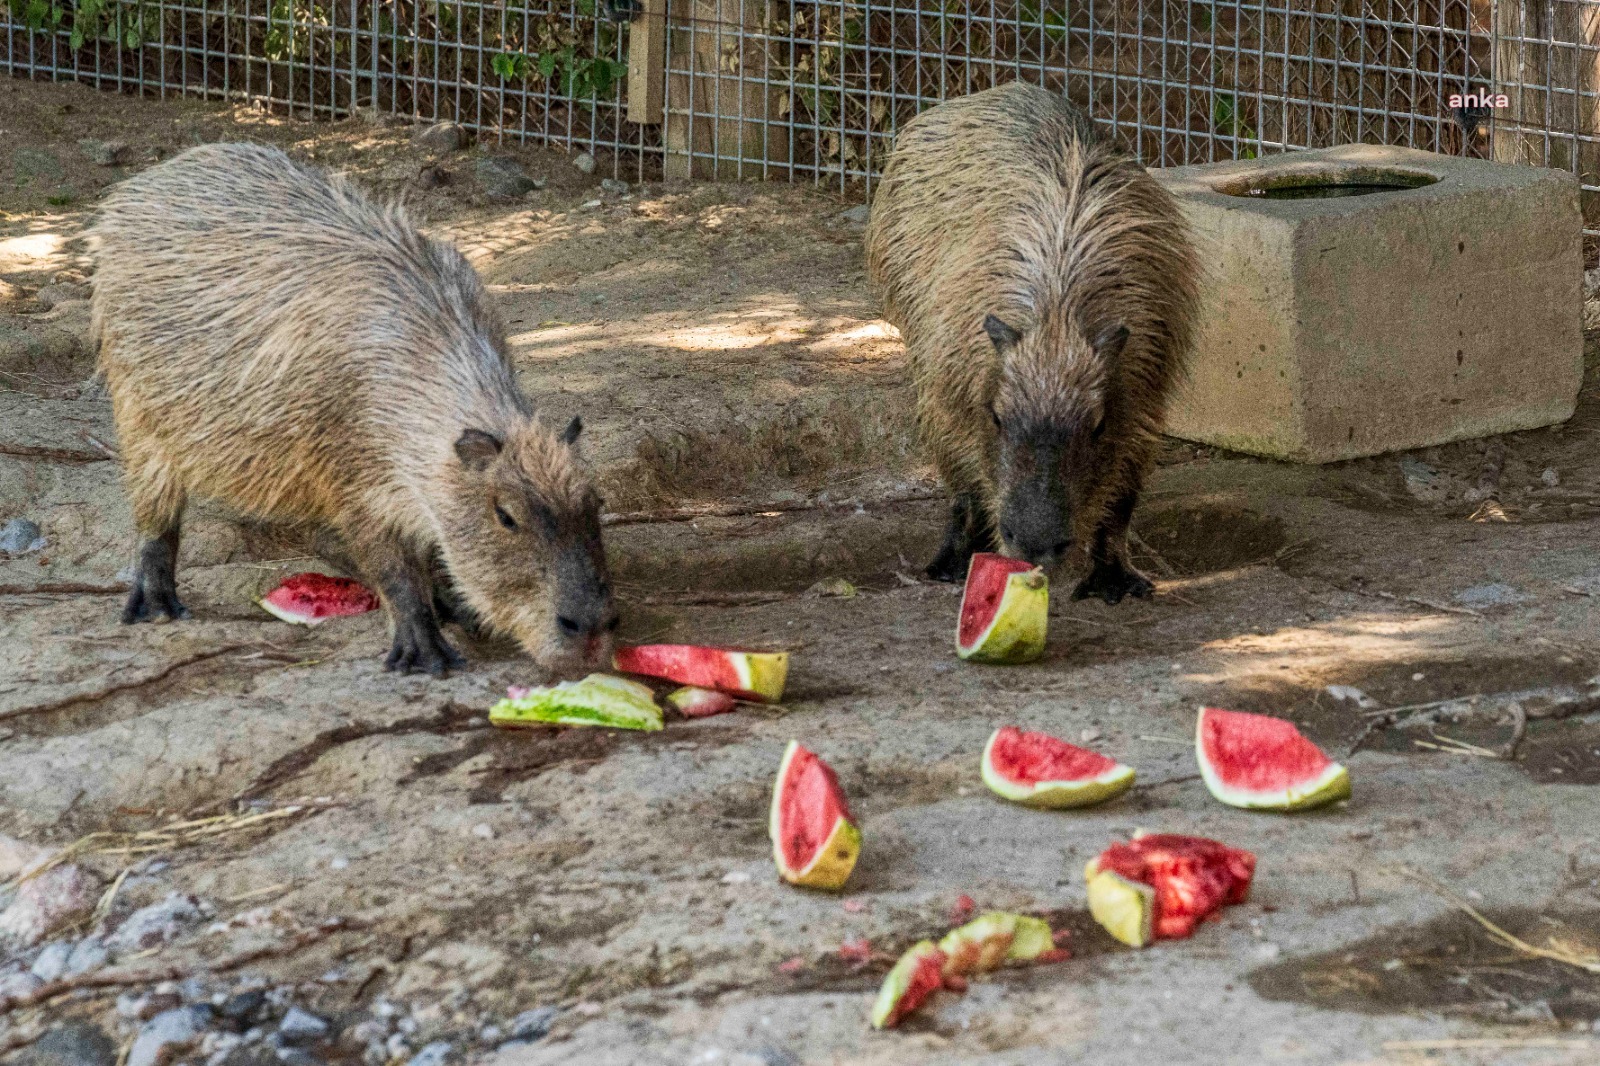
[1046, 289]
[276, 342]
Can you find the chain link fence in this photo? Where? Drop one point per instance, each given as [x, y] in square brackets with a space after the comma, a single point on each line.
[814, 89]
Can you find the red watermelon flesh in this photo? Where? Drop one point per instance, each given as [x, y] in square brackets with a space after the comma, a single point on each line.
[1193, 877]
[814, 838]
[1255, 760]
[1033, 757]
[986, 585]
[307, 599]
[739, 672]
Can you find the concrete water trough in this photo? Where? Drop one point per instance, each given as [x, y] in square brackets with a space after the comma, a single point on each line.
[1368, 299]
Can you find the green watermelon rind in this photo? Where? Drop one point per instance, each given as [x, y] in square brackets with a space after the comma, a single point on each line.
[1056, 795]
[1330, 786]
[898, 981]
[598, 699]
[1016, 633]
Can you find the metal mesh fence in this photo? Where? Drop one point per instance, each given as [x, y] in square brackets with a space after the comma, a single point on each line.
[814, 89]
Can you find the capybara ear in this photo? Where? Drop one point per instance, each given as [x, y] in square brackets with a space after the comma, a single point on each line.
[1109, 341]
[477, 449]
[1002, 335]
[574, 427]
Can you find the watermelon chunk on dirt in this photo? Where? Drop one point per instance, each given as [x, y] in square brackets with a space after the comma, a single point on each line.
[598, 699]
[758, 676]
[1264, 763]
[991, 940]
[310, 599]
[694, 702]
[1159, 886]
[1005, 609]
[918, 975]
[1039, 770]
[815, 841]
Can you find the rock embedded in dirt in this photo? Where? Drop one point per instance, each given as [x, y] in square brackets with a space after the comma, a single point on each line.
[533, 1024]
[855, 216]
[613, 186]
[73, 1044]
[106, 153]
[52, 961]
[18, 985]
[302, 1027]
[243, 1008]
[441, 137]
[20, 536]
[89, 954]
[156, 924]
[584, 162]
[55, 899]
[435, 1054]
[168, 1035]
[503, 179]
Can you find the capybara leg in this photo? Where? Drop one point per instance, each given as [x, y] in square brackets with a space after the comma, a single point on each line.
[1111, 576]
[403, 580]
[158, 514]
[967, 532]
[449, 606]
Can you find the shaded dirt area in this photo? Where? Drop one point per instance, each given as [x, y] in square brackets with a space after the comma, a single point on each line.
[721, 345]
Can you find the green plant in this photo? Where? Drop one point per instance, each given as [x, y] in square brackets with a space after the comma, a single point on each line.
[1225, 120]
[115, 21]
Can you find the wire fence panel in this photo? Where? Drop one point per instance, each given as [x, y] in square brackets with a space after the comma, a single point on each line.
[814, 89]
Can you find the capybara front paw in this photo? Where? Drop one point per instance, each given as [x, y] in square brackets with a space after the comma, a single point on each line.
[150, 598]
[1111, 581]
[423, 653]
[950, 565]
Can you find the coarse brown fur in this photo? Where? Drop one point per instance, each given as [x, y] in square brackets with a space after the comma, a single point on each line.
[1045, 286]
[275, 341]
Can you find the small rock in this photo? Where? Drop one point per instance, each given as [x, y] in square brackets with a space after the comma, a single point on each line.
[736, 877]
[193, 990]
[590, 205]
[833, 586]
[56, 898]
[18, 985]
[533, 1024]
[612, 185]
[856, 216]
[397, 1046]
[106, 153]
[490, 1035]
[302, 1027]
[441, 137]
[18, 856]
[156, 924]
[168, 1035]
[90, 954]
[483, 831]
[374, 1055]
[383, 1008]
[243, 1008]
[20, 536]
[1492, 595]
[777, 1056]
[584, 162]
[435, 1054]
[72, 1044]
[1424, 482]
[503, 179]
[432, 177]
[1550, 478]
[371, 1031]
[1351, 694]
[52, 961]
[1268, 951]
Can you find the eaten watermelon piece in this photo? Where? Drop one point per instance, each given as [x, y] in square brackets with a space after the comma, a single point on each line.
[310, 599]
[694, 702]
[918, 975]
[1038, 770]
[1160, 886]
[1256, 761]
[598, 699]
[1005, 609]
[990, 940]
[747, 675]
[815, 841]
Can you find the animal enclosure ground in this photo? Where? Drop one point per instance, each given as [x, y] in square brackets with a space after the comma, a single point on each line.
[749, 421]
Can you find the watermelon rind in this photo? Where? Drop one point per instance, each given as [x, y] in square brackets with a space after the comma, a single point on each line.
[751, 675]
[599, 699]
[692, 702]
[1056, 795]
[919, 973]
[289, 616]
[1125, 909]
[835, 858]
[994, 938]
[1329, 786]
[1016, 632]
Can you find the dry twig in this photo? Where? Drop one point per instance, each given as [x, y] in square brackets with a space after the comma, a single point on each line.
[1589, 963]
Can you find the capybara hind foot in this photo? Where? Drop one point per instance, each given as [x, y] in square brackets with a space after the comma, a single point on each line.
[155, 583]
[1111, 580]
[951, 563]
[421, 648]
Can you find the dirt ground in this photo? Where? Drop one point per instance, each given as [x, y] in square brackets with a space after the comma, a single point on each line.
[421, 882]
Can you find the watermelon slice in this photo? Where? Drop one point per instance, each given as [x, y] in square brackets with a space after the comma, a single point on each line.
[1161, 885]
[1038, 770]
[311, 599]
[918, 975]
[598, 699]
[694, 702]
[1255, 761]
[991, 939]
[1005, 608]
[814, 839]
[746, 675]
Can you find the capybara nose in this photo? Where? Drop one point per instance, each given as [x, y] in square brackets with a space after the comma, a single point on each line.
[1044, 553]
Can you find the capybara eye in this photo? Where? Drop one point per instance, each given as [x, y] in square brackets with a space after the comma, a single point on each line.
[504, 519]
[1005, 531]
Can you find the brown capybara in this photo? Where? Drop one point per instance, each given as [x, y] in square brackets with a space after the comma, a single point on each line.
[278, 343]
[1046, 289]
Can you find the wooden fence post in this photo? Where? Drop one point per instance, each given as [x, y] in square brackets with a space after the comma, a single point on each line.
[719, 102]
[647, 64]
